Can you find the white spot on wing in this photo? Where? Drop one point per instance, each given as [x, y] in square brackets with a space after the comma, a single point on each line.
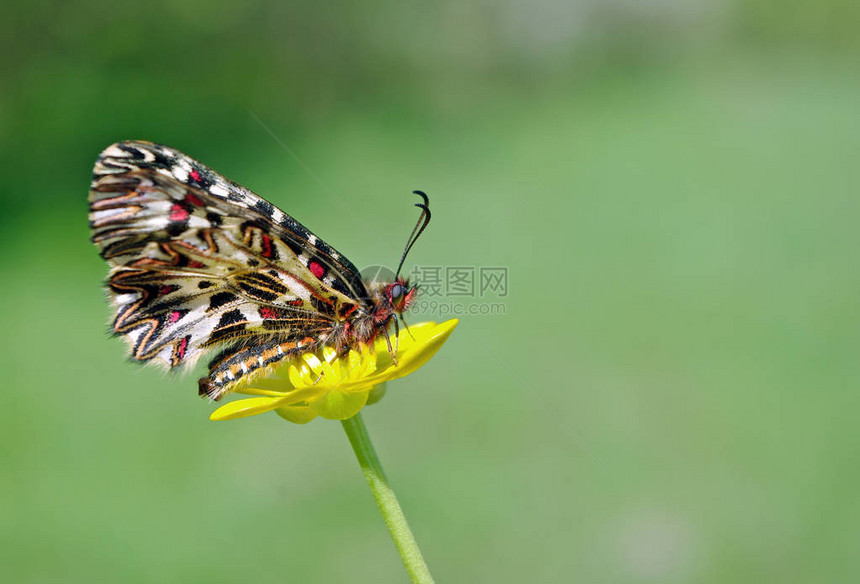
[134, 334]
[115, 151]
[123, 299]
[195, 222]
[180, 173]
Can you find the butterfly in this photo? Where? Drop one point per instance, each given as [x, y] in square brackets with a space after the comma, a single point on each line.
[200, 263]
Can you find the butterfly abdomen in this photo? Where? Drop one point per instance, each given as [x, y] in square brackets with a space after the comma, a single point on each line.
[234, 363]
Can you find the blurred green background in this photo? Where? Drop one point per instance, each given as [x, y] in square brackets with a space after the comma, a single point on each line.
[668, 396]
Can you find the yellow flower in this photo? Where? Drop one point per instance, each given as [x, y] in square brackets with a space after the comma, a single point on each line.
[322, 385]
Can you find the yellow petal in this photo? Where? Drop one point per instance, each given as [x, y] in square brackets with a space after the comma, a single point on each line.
[262, 391]
[340, 405]
[297, 414]
[376, 394]
[313, 362]
[294, 376]
[430, 344]
[243, 408]
[429, 341]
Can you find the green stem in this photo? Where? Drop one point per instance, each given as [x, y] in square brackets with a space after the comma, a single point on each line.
[387, 501]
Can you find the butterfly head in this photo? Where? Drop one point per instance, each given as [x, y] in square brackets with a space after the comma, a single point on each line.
[400, 295]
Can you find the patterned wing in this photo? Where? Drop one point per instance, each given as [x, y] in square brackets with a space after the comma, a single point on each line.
[200, 262]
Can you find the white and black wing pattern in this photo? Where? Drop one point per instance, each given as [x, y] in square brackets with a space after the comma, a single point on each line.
[190, 195]
[199, 262]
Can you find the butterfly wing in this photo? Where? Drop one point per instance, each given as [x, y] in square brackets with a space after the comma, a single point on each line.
[200, 262]
[194, 196]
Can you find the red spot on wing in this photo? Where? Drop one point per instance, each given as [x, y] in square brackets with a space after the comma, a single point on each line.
[317, 270]
[296, 302]
[178, 212]
[194, 199]
[274, 313]
[174, 316]
[195, 175]
[167, 289]
[268, 313]
[181, 348]
[267, 246]
[195, 264]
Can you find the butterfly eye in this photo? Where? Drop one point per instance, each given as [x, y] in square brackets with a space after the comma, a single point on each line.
[396, 291]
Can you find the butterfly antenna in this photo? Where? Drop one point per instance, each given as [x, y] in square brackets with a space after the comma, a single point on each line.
[423, 220]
